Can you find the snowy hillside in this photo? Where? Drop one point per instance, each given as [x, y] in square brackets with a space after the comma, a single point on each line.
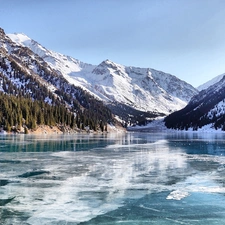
[210, 82]
[143, 89]
[205, 109]
[126, 90]
[66, 65]
[26, 74]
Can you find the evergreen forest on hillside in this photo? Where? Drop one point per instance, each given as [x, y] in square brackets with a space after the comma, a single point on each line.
[26, 100]
[17, 112]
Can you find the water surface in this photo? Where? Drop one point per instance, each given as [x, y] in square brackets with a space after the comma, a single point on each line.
[133, 178]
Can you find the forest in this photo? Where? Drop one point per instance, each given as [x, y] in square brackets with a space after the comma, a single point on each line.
[17, 112]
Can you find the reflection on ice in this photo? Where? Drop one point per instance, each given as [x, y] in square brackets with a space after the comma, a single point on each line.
[3, 202]
[77, 186]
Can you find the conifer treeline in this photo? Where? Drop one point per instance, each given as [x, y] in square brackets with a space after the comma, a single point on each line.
[17, 112]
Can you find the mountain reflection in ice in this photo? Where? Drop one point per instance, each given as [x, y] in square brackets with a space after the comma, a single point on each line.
[111, 179]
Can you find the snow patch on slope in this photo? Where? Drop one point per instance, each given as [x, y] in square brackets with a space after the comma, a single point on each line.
[217, 110]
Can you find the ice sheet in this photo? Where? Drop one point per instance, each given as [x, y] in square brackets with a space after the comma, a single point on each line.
[78, 186]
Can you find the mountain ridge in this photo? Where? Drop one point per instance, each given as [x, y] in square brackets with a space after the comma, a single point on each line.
[120, 87]
[210, 82]
[206, 109]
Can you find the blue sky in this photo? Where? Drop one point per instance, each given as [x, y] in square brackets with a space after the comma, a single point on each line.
[183, 37]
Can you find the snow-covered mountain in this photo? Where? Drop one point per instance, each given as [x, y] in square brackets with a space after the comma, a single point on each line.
[25, 73]
[210, 82]
[65, 65]
[130, 92]
[205, 110]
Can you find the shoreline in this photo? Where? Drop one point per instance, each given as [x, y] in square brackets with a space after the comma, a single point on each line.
[55, 130]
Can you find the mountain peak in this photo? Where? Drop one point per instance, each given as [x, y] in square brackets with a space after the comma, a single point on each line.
[19, 38]
[109, 63]
[25, 41]
[110, 68]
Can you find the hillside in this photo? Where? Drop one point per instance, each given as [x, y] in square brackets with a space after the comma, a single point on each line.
[24, 73]
[205, 109]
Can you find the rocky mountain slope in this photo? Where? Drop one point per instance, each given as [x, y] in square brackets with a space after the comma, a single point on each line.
[24, 73]
[207, 109]
[131, 93]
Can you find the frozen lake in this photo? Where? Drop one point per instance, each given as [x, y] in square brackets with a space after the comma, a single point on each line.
[133, 178]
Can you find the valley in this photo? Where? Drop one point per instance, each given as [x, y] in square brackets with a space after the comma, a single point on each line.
[97, 95]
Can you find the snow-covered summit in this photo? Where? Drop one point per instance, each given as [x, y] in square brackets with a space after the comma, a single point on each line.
[66, 65]
[57, 60]
[25, 41]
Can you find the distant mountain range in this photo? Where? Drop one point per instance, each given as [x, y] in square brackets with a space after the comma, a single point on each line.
[132, 94]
